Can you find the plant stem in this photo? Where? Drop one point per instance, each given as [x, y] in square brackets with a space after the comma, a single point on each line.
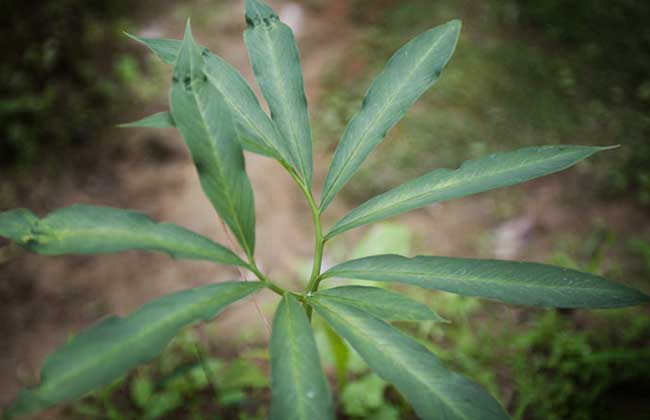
[318, 247]
[262, 278]
[319, 242]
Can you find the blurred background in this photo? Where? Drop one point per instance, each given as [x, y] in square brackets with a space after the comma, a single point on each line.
[524, 73]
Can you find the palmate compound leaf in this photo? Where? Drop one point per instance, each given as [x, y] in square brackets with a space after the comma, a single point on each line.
[205, 122]
[474, 176]
[88, 230]
[412, 70]
[381, 303]
[106, 351]
[276, 62]
[257, 133]
[513, 282]
[434, 391]
[299, 388]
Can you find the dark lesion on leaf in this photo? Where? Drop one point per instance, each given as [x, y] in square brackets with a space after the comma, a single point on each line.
[187, 82]
[261, 21]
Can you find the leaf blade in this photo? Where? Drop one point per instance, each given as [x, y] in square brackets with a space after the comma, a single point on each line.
[85, 230]
[511, 282]
[379, 302]
[157, 120]
[433, 390]
[276, 63]
[299, 389]
[105, 351]
[412, 70]
[206, 125]
[257, 133]
[164, 48]
[473, 176]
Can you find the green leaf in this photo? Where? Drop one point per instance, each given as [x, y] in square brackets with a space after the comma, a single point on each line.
[107, 350]
[101, 230]
[433, 390]
[166, 49]
[512, 282]
[408, 74]
[158, 120]
[206, 124]
[474, 176]
[299, 389]
[340, 353]
[242, 374]
[257, 133]
[276, 62]
[364, 396]
[378, 302]
[16, 224]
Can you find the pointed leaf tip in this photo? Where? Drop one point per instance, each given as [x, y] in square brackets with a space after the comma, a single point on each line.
[16, 224]
[257, 9]
[158, 120]
[612, 147]
[188, 30]
[412, 70]
[456, 23]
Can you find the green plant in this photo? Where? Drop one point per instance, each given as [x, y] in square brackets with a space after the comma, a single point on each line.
[217, 114]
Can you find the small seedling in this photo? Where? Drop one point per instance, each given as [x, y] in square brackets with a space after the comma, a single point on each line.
[218, 116]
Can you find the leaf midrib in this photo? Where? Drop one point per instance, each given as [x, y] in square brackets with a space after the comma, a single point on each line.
[156, 239]
[450, 182]
[452, 277]
[295, 374]
[366, 307]
[415, 373]
[136, 338]
[385, 106]
[222, 180]
[283, 98]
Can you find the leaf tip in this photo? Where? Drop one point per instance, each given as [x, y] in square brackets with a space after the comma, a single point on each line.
[136, 38]
[456, 24]
[188, 29]
[257, 11]
[16, 224]
[612, 147]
